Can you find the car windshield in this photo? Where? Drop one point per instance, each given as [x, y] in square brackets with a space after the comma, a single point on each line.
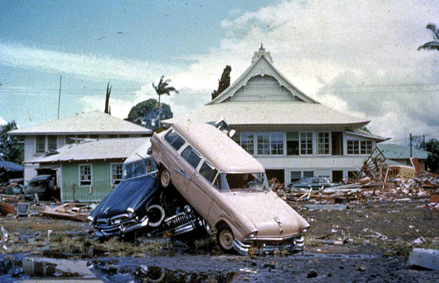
[247, 182]
[139, 168]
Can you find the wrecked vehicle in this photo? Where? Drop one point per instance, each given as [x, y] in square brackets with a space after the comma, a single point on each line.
[139, 206]
[228, 188]
[314, 183]
[43, 186]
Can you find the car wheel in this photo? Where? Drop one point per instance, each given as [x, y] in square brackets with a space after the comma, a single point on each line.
[165, 178]
[156, 215]
[225, 238]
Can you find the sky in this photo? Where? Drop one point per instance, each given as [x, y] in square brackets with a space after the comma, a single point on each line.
[357, 57]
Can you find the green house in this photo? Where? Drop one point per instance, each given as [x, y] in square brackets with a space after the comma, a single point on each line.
[89, 170]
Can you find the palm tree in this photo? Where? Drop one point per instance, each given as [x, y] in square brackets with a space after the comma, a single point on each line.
[163, 88]
[432, 45]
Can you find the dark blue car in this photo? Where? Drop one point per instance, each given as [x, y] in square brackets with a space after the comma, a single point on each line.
[139, 204]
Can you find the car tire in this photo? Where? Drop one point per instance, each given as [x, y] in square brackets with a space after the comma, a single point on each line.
[165, 178]
[225, 237]
[156, 215]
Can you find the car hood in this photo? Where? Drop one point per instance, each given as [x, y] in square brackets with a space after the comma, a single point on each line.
[129, 193]
[271, 216]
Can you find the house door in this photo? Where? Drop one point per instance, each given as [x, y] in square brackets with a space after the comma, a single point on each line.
[337, 176]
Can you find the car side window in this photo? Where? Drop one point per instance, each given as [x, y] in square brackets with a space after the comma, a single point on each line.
[208, 171]
[191, 156]
[174, 140]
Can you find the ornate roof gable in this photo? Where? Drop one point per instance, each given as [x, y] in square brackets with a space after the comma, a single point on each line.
[262, 82]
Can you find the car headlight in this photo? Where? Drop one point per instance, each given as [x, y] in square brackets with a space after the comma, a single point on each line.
[90, 218]
[305, 230]
[130, 211]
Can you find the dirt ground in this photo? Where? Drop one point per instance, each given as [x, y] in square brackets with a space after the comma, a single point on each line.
[346, 243]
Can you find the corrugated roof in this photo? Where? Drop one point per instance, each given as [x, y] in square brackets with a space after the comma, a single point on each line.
[271, 113]
[95, 122]
[119, 148]
[393, 151]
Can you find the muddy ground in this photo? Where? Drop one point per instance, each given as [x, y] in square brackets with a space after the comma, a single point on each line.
[346, 243]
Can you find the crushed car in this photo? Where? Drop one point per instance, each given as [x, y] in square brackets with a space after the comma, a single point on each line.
[228, 188]
[314, 183]
[138, 205]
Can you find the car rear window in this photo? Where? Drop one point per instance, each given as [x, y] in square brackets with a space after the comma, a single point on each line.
[174, 140]
[191, 156]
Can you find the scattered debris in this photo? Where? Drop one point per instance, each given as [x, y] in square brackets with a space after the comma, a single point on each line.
[426, 258]
[65, 211]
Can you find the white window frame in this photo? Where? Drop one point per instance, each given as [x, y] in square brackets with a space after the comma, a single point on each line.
[114, 180]
[247, 142]
[80, 184]
[321, 145]
[45, 144]
[304, 146]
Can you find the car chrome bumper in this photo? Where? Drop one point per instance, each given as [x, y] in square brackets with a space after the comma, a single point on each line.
[297, 244]
[108, 230]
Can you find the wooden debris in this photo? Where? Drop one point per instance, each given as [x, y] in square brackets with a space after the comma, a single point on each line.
[65, 211]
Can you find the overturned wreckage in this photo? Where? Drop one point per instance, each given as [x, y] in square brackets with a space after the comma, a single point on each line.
[228, 188]
[139, 206]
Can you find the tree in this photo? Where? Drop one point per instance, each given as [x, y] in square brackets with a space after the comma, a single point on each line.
[223, 83]
[148, 115]
[163, 88]
[432, 45]
[107, 99]
[11, 147]
[432, 161]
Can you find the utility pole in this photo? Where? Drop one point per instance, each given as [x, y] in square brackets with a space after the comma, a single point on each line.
[411, 150]
[59, 96]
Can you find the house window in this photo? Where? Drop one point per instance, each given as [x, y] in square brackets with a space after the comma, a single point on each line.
[248, 142]
[263, 143]
[45, 144]
[323, 143]
[353, 147]
[116, 174]
[308, 174]
[85, 175]
[359, 147]
[366, 147]
[306, 143]
[277, 143]
[70, 139]
[296, 176]
[293, 143]
[270, 143]
[40, 144]
[51, 143]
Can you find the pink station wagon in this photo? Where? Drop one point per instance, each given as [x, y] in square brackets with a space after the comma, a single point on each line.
[228, 188]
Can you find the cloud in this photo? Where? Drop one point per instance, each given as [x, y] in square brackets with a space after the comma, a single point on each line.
[90, 67]
[359, 57]
[2, 121]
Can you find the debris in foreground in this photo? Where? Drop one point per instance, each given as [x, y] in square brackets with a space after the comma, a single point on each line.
[65, 211]
[426, 258]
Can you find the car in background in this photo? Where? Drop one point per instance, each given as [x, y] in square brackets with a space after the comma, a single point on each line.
[228, 188]
[314, 183]
[43, 186]
[139, 205]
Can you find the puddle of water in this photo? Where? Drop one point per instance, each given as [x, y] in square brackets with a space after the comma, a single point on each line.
[109, 272]
[326, 206]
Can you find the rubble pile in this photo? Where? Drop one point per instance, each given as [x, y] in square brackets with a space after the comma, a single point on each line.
[375, 181]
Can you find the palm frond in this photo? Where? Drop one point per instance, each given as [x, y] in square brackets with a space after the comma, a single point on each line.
[432, 45]
[433, 28]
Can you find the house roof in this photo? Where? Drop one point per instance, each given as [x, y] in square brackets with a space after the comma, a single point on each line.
[95, 122]
[117, 148]
[262, 96]
[280, 113]
[393, 151]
